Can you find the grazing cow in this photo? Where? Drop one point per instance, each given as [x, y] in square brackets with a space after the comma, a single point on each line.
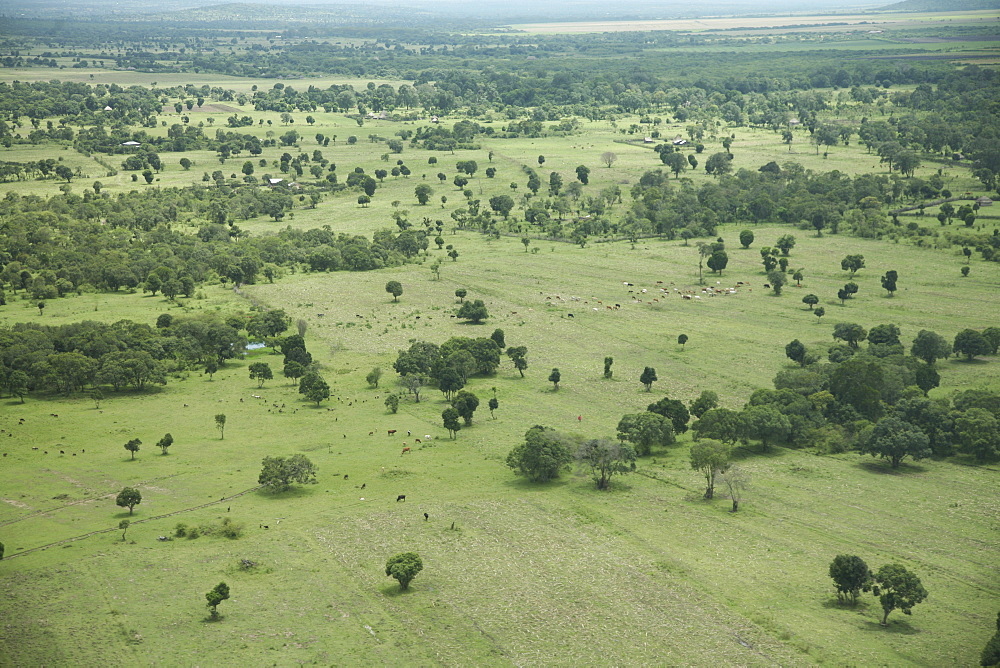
[401, 497]
[767, 285]
[345, 476]
[572, 316]
[405, 450]
[391, 432]
[371, 433]
[62, 452]
[363, 485]
[426, 517]
[416, 440]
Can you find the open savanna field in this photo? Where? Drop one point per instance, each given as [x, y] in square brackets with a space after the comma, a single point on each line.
[646, 573]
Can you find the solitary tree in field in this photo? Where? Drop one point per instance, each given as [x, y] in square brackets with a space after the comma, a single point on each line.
[810, 300]
[608, 158]
[124, 525]
[889, 282]
[133, 446]
[474, 310]
[554, 378]
[278, 473]
[129, 498]
[777, 280]
[460, 293]
[648, 377]
[493, 404]
[395, 289]
[218, 594]
[519, 356]
[746, 238]
[820, 312]
[392, 403]
[374, 376]
[404, 567]
[852, 263]
[260, 371]
[165, 442]
[897, 589]
[851, 576]
[220, 424]
[608, 361]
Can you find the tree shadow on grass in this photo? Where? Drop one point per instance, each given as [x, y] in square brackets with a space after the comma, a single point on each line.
[393, 590]
[293, 492]
[743, 452]
[522, 484]
[896, 626]
[885, 468]
[861, 606]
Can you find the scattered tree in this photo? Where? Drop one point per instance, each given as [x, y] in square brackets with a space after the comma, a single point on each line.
[220, 424]
[710, 457]
[746, 238]
[853, 263]
[260, 371]
[278, 473]
[392, 403]
[897, 589]
[218, 594]
[404, 567]
[129, 498]
[124, 525]
[394, 288]
[461, 293]
[851, 576]
[133, 446]
[989, 657]
[810, 300]
[543, 455]
[606, 458]
[449, 417]
[373, 377]
[519, 356]
[646, 430]
[164, 443]
[474, 310]
[889, 282]
[314, 387]
[609, 158]
[648, 377]
[736, 481]
[608, 361]
[777, 280]
[554, 378]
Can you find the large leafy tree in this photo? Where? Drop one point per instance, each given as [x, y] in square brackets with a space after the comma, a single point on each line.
[719, 423]
[519, 356]
[970, 343]
[894, 439]
[851, 576]
[129, 498]
[474, 310]
[646, 430]
[929, 346]
[404, 567]
[897, 589]
[648, 377]
[674, 410]
[261, 371]
[278, 473]
[394, 288]
[543, 455]
[314, 388]
[466, 404]
[218, 594]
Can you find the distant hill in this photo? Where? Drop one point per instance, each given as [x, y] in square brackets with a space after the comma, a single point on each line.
[939, 5]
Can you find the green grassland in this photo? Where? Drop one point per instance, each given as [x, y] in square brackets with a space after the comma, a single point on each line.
[647, 573]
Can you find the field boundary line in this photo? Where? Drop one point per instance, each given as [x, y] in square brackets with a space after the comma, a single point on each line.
[147, 519]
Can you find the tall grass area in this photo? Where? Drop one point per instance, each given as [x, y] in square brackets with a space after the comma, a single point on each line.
[514, 573]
